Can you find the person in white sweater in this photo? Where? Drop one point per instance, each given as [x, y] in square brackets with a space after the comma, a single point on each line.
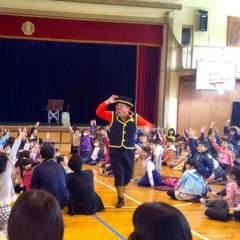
[7, 194]
[152, 177]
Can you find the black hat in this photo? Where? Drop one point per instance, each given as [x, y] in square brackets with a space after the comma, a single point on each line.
[125, 100]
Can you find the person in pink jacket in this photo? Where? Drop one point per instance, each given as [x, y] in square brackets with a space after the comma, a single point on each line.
[225, 156]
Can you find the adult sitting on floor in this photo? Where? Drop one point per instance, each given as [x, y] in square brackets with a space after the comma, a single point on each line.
[83, 199]
[51, 176]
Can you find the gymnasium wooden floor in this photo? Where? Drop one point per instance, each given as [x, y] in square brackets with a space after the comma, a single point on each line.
[113, 224]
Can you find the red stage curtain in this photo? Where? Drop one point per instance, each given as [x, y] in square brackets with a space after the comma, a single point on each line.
[148, 82]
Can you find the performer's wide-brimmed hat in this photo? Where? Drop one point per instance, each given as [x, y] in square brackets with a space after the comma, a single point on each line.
[125, 100]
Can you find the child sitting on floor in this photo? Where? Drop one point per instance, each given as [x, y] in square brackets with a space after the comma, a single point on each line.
[184, 153]
[7, 193]
[152, 177]
[204, 161]
[75, 137]
[169, 150]
[191, 184]
[63, 160]
[26, 167]
[85, 144]
[97, 154]
[222, 210]
[157, 151]
[225, 156]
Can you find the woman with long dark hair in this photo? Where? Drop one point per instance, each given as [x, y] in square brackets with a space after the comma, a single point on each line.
[159, 221]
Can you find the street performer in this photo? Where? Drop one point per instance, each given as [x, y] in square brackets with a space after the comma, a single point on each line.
[123, 126]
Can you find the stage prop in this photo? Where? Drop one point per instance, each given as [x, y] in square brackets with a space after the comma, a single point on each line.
[65, 118]
[54, 107]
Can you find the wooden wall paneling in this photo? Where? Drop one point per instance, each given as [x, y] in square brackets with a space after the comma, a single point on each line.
[186, 87]
[198, 108]
[185, 90]
[66, 137]
[56, 135]
[216, 97]
[201, 96]
[183, 121]
[13, 134]
[65, 148]
[219, 112]
[199, 115]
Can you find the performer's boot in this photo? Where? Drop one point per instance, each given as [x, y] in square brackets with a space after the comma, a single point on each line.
[120, 202]
[120, 194]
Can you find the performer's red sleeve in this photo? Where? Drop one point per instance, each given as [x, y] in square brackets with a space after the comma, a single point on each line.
[102, 113]
[142, 122]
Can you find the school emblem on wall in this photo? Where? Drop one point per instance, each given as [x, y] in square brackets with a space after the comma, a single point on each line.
[28, 28]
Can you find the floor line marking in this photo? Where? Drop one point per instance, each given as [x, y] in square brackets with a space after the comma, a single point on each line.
[176, 205]
[115, 207]
[199, 235]
[127, 196]
[183, 204]
[109, 227]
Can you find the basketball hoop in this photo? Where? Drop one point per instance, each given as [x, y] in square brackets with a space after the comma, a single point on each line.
[219, 86]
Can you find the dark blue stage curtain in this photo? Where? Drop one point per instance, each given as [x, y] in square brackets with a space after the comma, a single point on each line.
[83, 75]
[236, 114]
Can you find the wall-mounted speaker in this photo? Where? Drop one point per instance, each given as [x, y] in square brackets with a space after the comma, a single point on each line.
[203, 20]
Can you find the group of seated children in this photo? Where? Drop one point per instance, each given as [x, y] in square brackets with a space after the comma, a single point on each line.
[91, 145]
[27, 164]
[203, 160]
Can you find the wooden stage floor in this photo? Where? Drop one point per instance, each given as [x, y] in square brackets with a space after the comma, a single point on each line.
[117, 223]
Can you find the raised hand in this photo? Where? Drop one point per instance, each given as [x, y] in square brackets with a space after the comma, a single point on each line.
[48, 135]
[112, 99]
[22, 134]
[212, 124]
[202, 129]
[227, 122]
[192, 132]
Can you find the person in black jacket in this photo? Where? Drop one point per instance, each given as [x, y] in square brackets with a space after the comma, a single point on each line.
[83, 199]
[51, 176]
[200, 154]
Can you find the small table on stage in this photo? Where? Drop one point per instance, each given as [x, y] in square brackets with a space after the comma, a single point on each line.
[54, 107]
